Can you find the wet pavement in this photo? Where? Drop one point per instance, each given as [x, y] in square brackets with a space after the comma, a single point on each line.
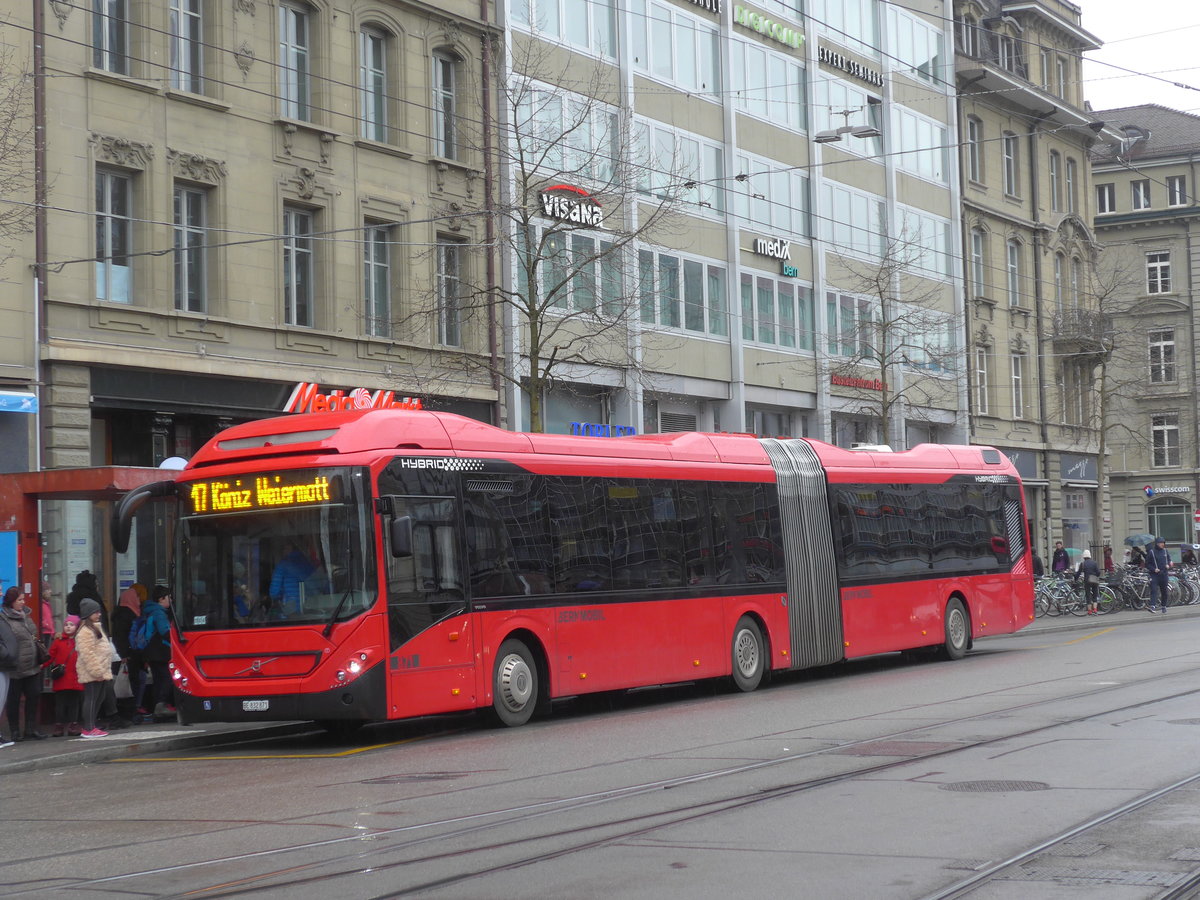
[163, 736]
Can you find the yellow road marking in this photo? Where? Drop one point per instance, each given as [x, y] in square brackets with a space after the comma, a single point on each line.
[1086, 637]
[340, 753]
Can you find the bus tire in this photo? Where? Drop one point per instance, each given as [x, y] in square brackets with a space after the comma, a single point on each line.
[748, 654]
[958, 630]
[515, 685]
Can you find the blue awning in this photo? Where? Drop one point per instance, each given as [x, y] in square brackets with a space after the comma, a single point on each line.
[18, 401]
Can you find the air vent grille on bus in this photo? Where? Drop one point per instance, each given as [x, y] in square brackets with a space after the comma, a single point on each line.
[476, 486]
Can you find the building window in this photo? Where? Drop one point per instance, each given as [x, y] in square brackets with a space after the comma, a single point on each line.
[982, 404]
[187, 45]
[1060, 262]
[978, 262]
[191, 249]
[1061, 71]
[295, 80]
[1164, 439]
[298, 267]
[372, 84]
[1011, 171]
[445, 119]
[975, 149]
[1076, 280]
[1106, 198]
[1009, 54]
[1018, 385]
[675, 48]
[1177, 190]
[968, 36]
[1158, 272]
[449, 293]
[1141, 193]
[1055, 181]
[110, 35]
[1014, 273]
[377, 279]
[114, 237]
[1045, 57]
[1072, 186]
[1162, 355]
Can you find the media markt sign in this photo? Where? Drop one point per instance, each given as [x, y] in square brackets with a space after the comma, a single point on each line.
[571, 204]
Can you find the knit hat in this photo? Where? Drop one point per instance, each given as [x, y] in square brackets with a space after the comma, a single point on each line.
[88, 607]
[1087, 554]
[73, 620]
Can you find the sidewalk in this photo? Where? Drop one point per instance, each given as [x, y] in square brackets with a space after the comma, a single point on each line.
[27, 756]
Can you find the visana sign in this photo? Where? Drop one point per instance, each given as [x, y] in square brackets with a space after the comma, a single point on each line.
[583, 209]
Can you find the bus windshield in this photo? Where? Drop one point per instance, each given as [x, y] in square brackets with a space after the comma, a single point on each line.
[271, 549]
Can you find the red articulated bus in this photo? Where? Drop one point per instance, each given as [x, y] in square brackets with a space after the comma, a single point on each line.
[359, 566]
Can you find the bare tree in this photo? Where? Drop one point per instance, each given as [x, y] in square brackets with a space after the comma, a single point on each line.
[16, 142]
[581, 189]
[891, 335]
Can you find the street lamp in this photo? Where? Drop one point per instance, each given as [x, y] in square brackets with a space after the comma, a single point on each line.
[835, 134]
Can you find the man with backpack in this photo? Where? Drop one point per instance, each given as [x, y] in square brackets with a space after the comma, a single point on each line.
[157, 636]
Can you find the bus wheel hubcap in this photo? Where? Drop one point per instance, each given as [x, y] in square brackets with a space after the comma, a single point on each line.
[958, 628]
[516, 683]
[746, 653]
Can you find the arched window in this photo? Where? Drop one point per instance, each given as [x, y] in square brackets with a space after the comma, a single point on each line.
[373, 67]
[445, 105]
[1014, 273]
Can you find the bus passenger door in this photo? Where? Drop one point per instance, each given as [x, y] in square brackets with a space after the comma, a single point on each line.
[430, 650]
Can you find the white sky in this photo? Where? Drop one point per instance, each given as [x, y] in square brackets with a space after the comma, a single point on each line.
[1157, 37]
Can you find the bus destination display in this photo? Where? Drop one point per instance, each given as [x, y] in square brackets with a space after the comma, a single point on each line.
[278, 491]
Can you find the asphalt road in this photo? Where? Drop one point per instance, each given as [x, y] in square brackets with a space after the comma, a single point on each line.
[883, 778]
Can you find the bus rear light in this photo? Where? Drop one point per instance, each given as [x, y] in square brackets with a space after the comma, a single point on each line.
[454, 692]
[341, 675]
[695, 662]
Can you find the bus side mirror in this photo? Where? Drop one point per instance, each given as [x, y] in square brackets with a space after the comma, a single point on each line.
[1000, 546]
[400, 537]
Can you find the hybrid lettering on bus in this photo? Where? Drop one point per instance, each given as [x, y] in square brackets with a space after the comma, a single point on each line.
[366, 565]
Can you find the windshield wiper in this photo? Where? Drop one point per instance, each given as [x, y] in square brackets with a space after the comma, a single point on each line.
[336, 612]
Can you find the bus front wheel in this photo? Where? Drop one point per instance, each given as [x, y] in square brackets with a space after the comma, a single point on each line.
[958, 629]
[514, 684]
[749, 655]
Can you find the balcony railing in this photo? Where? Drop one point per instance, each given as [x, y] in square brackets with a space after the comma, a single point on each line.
[1086, 328]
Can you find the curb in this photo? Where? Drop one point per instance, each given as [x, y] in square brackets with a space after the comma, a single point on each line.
[93, 752]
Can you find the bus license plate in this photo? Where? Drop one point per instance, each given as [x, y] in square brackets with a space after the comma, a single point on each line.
[255, 705]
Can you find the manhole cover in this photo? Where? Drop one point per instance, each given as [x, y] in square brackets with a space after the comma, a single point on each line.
[414, 777]
[898, 748]
[979, 787]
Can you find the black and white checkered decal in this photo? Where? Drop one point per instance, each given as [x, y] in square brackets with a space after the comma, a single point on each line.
[444, 463]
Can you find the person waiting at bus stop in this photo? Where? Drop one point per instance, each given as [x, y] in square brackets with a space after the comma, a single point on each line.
[1158, 563]
[1090, 572]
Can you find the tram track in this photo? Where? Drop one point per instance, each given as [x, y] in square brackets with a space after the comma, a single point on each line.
[412, 839]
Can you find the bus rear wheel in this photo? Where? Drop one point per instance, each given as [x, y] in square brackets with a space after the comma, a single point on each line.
[748, 652]
[958, 630]
[514, 684]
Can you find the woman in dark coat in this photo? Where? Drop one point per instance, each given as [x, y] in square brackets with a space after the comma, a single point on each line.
[25, 667]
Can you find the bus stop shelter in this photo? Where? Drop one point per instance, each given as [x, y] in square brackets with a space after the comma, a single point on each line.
[21, 542]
